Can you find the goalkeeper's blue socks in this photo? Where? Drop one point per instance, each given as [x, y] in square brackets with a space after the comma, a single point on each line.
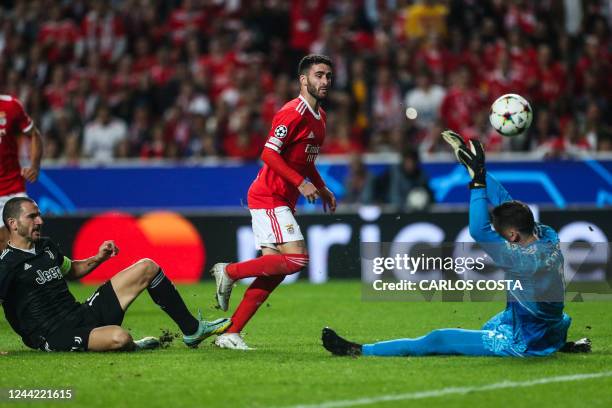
[441, 342]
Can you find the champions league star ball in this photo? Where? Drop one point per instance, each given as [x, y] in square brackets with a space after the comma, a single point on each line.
[510, 115]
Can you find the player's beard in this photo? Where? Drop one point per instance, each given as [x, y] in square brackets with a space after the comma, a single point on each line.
[24, 231]
[313, 91]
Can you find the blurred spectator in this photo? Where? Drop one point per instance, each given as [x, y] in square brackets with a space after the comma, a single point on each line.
[360, 92]
[58, 35]
[59, 126]
[155, 147]
[460, 102]
[571, 143]
[139, 130]
[432, 56]
[404, 185]
[426, 17]
[195, 65]
[339, 139]
[103, 32]
[426, 98]
[186, 20]
[306, 17]
[275, 100]
[357, 182]
[593, 127]
[102, 136]
[387, 101]
[542, 132]
[605, 142]
[240, 142]
[505, 78]
[430, 140]
[550, 77]
[72, 151]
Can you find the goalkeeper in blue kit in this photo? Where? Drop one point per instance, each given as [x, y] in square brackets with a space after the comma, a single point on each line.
[533, 323]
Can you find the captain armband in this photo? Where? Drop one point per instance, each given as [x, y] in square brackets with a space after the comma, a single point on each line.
[66, 265]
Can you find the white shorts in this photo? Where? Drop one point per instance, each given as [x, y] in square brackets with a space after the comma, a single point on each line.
[4, 199]
[274, 226]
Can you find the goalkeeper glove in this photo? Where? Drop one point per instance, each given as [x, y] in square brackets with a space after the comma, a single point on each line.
[471, 157]
[474, 161]
[454, 139]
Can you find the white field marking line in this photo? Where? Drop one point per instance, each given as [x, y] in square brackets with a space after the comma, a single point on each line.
[454, 390]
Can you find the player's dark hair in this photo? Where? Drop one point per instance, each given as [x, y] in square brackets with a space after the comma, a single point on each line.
[513, 214]
[12, 208]
[313, 59]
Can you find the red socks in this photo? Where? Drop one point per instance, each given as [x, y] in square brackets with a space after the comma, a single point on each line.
[267, 265]
[254, 296]
[270, 271]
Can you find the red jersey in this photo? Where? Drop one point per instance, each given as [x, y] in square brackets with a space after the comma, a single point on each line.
[13, 122]
[297, 134]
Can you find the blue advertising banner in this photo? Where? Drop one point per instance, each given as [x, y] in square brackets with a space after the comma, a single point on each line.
[183, 187]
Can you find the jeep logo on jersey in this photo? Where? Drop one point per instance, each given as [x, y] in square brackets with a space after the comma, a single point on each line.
[280, 131]
[49, 275]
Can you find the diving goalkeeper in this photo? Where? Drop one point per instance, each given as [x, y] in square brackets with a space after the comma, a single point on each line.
[533, 323]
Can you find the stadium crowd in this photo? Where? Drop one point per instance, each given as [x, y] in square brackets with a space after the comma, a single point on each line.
[202, 78]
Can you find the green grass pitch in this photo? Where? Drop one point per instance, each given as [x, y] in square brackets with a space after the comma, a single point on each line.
[290, 367]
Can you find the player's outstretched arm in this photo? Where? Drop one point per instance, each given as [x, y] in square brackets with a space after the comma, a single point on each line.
[496, 193]
[480, 221]
[472, 156]
[81, 268]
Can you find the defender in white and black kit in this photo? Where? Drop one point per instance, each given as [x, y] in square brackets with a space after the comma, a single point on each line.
[41, 309]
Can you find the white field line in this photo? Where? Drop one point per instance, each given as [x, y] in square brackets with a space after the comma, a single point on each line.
[454, 390]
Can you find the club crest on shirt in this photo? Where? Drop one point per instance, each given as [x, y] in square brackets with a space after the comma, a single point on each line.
[289, 228]
[2, 118]
[280, 131]
[48, 251]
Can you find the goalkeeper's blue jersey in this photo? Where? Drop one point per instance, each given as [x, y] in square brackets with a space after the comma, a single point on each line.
[533, 322]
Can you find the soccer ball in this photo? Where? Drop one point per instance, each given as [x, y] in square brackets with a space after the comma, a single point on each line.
[510, 115]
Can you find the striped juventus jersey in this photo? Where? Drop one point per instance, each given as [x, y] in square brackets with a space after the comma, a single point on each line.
[297, 134]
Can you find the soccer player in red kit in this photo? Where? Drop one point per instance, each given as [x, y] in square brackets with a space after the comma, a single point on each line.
[297, 133]
[14, 122]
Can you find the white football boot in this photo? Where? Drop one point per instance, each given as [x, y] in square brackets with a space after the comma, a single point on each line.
[224, 285]
[147, 343]
[232, 341]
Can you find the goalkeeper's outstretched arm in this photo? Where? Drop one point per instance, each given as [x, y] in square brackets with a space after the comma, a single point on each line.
[480, 220]
[480, 224]
[484, 190]
[496, 193]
